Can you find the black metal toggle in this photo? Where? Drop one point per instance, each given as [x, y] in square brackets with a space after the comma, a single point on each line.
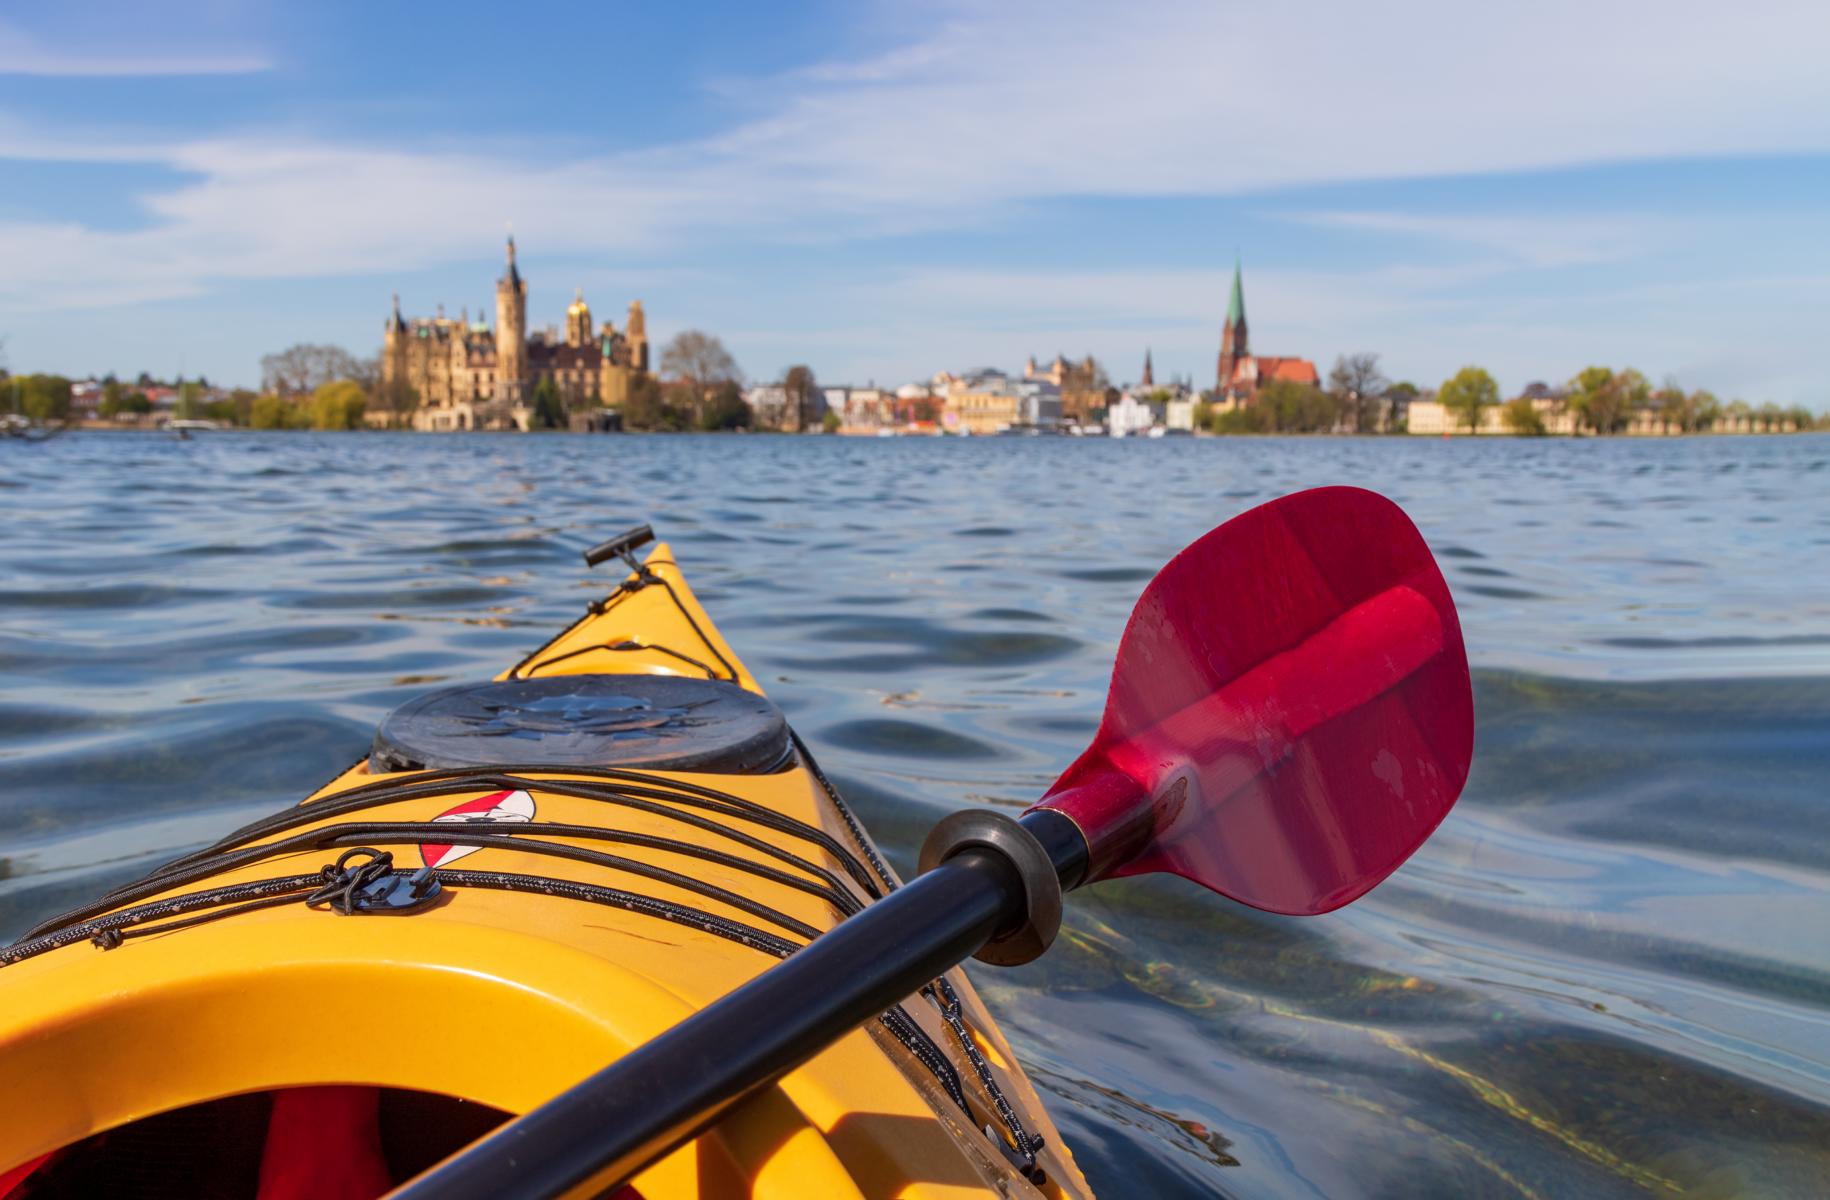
[374, 886]
[623, 546]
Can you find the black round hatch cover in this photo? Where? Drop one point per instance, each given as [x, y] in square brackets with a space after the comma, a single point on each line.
[659, 722]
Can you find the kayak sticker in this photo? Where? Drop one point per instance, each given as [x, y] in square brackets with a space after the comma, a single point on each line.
[497, 808]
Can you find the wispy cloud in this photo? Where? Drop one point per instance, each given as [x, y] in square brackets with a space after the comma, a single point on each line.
[1535, 240]
[23, 54]
[988, 110]
[1000, 106]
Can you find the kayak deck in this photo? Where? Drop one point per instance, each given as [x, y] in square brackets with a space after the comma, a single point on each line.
[591, 910]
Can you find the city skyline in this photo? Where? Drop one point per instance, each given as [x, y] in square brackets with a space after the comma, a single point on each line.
[830, 186]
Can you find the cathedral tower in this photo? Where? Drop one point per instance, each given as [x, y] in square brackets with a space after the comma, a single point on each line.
[511, 333]
[1233, 345]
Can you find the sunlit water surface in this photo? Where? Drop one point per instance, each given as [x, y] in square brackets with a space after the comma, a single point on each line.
[1607, 974]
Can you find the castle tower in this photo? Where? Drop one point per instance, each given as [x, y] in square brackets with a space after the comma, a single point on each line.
[1233, 346]
[578, 321]
[1149, 379]
[636, 334]
[511, 333]
[394, 346]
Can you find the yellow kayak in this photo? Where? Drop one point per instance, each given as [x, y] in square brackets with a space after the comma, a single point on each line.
[522, 881]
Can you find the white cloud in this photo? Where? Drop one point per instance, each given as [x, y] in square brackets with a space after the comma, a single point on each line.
[998, 106]
[993, 107]
[23, 54]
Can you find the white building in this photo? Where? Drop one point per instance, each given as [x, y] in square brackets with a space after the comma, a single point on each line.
[1133, 414]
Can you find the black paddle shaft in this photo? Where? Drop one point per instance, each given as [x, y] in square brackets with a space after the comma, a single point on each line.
[667, 1091]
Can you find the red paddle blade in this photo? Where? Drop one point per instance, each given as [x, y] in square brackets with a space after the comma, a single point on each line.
[1290, 713]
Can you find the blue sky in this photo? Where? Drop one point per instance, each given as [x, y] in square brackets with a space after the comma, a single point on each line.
[887, 190]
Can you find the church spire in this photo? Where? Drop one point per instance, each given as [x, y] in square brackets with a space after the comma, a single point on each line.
[1149, 379]
[1234, 344]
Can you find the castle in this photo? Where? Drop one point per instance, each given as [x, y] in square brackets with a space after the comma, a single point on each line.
[455, 375]
[1240, 373]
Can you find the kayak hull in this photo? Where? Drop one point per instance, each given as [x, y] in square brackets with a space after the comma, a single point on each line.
[504, 998]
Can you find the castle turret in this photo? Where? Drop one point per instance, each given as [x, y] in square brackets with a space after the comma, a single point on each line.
[394, 346]
[578, 321]
[511, 333]
[636, 335]
[1233, 345]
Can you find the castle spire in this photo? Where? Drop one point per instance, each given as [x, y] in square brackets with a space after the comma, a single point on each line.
[514, 275]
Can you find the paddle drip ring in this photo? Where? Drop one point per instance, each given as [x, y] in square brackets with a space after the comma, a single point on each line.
[986, 829]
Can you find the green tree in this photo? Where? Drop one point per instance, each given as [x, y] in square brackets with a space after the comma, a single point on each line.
[649, 406]
[549, 411]
[1702, 411]
[187, 407]
[1469, 393]
[726, 409]
[241, 402]
[1672, 405]
[1606, 400]
[113, 396]
[43, 397]
[1769, 415]
[137, 402]
[270, 411]
[1800, 418]
[1522, 417]
[831, 422]
[1298, 407]
[338, 405]
[1242, 420]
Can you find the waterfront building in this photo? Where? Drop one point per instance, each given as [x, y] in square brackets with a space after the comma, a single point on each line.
[1239, 373]
[1179, 414]
[461, 374]
[1134, 413]
[1082, 385]
[990, 402]
[866, 408]
[768, 405]
[85, 399]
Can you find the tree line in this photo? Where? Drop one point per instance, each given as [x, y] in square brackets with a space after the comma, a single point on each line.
[1605, 401]
[1358, 398]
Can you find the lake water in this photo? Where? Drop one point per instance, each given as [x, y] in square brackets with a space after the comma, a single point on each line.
[1607, 974]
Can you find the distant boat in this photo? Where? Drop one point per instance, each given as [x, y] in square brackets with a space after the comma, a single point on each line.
[25, 429]
[193, 426]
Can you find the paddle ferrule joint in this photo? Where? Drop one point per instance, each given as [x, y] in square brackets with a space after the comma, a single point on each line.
[1045, 859]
